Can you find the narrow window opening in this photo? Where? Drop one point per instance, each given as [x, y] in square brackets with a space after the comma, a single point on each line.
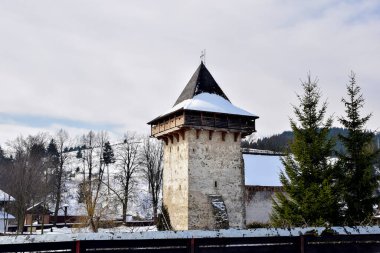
[216, 184]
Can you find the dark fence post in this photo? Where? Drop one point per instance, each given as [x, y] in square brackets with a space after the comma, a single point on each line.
[77, 247]
[191, 246]
[302, 244]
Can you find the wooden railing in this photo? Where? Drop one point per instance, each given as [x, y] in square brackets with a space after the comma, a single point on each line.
[283, 244]
[206, 120]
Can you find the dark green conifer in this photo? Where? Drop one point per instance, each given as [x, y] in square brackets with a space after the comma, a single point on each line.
[358, 181]
[308, 179]
[108, 154]
[52, 152]
[79, 154]
[108, 158]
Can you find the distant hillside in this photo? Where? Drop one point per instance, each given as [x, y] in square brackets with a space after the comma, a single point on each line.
[280, 142]
[277, 142]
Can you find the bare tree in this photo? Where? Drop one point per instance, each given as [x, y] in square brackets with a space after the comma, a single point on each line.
[93, 169]
[62, 143]
[28, 174]
[151, 159]
[127, 165]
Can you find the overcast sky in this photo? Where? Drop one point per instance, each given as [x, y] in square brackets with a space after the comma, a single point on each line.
[115, 65]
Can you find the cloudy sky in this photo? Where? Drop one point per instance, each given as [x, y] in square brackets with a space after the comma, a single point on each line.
[114, 65]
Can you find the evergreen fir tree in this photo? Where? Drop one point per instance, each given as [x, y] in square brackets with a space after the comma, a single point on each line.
[108, 158]
[310, 196]
[359, 180]
[79, 154]
[52, 152]
[108, 154]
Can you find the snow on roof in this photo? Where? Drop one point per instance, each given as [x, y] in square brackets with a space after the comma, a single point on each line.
[262, 170]
[201, 82]
[209, 103]
[33, 206]
[6, 216]
[5, 196]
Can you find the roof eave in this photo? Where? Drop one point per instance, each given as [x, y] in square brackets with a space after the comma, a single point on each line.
[152, 122]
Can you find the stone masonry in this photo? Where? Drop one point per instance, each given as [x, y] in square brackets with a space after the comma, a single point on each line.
[200, 165]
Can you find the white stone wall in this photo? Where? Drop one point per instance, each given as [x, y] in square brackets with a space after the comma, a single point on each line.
[259, 203]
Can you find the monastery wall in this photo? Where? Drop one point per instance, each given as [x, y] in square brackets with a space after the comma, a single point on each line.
[259, 202]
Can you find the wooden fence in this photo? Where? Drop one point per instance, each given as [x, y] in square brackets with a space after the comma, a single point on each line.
[283, 244]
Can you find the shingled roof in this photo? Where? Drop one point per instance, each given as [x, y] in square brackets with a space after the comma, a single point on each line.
[201, 82]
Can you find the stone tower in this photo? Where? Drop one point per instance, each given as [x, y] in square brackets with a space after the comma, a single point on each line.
[203, 179]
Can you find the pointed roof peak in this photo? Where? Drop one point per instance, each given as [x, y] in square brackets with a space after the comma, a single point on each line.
[201, 82]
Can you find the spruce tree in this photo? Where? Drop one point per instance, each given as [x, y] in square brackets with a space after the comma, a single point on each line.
[310, 196]
[108, 158]
[359, 180]
[53, 154]
[79, 154]
[108, 154]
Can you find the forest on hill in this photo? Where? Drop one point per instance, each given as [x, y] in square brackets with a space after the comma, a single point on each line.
[280, 142]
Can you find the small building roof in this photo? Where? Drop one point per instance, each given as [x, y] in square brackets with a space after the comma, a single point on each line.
[201, 82]
[38, 209]
[5, 196]
[5, 215]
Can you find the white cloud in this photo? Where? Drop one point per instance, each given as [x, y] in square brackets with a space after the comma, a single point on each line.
[124, 63]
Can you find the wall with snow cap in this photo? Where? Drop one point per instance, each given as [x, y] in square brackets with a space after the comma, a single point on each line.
[262, 179]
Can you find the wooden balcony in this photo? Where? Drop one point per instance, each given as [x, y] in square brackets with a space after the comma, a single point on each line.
[203, 120]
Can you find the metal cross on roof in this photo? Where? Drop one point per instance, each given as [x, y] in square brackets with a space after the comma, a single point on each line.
[203, 56]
